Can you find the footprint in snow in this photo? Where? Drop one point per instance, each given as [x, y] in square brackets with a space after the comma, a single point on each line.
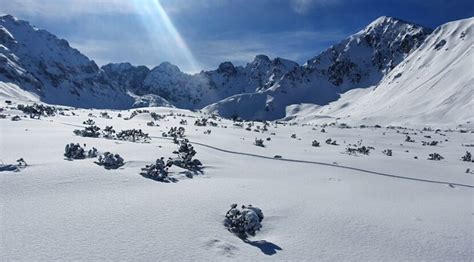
[220, 247]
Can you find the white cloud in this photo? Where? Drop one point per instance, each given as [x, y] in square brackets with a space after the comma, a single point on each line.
[66, 8]
[304, 6]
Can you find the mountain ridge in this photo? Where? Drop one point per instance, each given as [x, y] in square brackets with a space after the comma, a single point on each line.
[263, 89]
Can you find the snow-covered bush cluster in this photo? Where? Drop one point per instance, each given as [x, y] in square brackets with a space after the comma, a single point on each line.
[88, 131]
[358, 150]
[387, 152]
[108, 132]
[137, 112]
[75, 151]
[89, 122]
[158, 171]
[175, 132]
[37, 110]
[432, 143]
[204, 122]
[259, 142]
[467, 157]
[133, 135]
[156, 116]
[16, 118]
[185, 156]
[435, 156]
[329, 141]
[315, 143]
[110, 161]
[244, 221]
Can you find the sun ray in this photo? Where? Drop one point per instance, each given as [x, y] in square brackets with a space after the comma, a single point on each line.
[164, 34]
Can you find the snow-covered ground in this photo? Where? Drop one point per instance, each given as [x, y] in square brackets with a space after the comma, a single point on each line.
[319, 203]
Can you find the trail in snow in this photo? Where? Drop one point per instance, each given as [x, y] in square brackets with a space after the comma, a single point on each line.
[323, 164]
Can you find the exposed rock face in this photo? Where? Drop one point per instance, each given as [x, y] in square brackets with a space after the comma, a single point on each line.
[41, 63]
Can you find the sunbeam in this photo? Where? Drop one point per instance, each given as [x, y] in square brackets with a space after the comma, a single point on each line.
[163, 34]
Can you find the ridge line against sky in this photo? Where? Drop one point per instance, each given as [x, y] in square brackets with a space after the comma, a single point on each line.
[215, 31]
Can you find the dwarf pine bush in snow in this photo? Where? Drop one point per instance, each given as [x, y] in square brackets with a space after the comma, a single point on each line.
[133, 135]
[467, 157]
[16, 118]
[110, 161]
[245, 221]
[74, 151]
[158, 171]
[315, 143]
[361, 150]
[432, 143]
[175, 132]
[88, 131]
[89, 122]
[108, 132]
[435, 156]
[387, 152]
[259, 142]
[185, 154]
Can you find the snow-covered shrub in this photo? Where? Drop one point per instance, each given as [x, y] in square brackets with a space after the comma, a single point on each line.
[105, 115]
[21, 162]
[201, 122]
[259, 142]
[467, 157]
[151, 123]
[89, 122]
[185, 154]
[158, 171]
[183, 122]
[133, 135]
[245, 221]
[293, 135]
[387, 152]
[408, 139]
[92, 153]
[432, 143]
[207, 132]
[315, 143]
[16, 118]
[89, 131]
[74, 151]
[108, 132]
[110, 161]
[37, 110]
[435, 156]
[156, 116]
[329, 141]
[361, 150]
[175, 132]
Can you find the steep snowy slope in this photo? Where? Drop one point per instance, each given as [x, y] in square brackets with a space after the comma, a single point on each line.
[435, 84]
[361, 60]
[43, 64]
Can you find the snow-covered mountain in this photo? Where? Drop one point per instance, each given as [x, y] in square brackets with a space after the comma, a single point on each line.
[47, 66]
[198, 90]
[435, 84]
[369, 75]
[360, 60]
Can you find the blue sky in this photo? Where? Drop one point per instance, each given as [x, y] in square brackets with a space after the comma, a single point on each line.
[199, 34]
